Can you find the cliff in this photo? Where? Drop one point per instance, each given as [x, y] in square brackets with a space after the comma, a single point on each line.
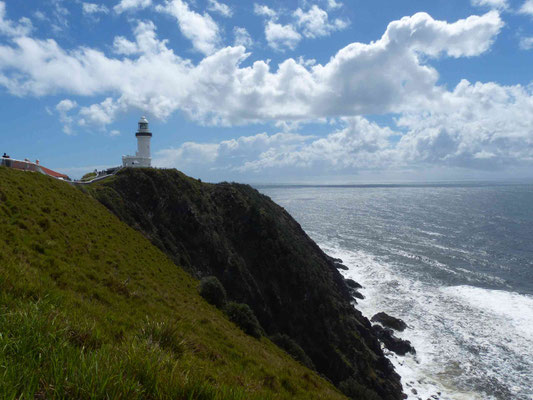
[264, 259]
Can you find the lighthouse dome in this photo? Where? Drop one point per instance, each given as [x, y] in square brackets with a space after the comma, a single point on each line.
[143, 127]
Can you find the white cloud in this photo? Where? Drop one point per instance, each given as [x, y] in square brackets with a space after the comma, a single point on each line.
[496, 4]
[527, 7]
[229, 154]
[526, 43]
[333, 5]
[482, 125]
[10, 28]
[220, 8]
[63, 108]
[265, 11]
[388, 75]
[129, 5]
[101, 114]
[40, 15]
[314, 23]
[465, 38]
[200, 29]
[242, 37]
[93, 8]
[360, 144]
[114, 132]
[280, 36]
[146, 41]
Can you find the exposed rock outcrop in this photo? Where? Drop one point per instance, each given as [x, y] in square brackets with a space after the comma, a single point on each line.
[389, 322]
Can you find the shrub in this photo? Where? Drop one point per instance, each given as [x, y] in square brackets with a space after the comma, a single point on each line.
[293, 349]
[243, 316]
[212, 291]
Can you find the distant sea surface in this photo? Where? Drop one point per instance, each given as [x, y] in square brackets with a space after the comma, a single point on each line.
[455, 262]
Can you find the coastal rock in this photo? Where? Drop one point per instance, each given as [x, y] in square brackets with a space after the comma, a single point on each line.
[389, 322]
[356, 294]
[334, 260]
[391, 342]
[353, 284]
[340, 266]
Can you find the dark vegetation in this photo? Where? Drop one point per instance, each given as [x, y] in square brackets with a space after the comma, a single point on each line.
[292, 348]
[90, 309]
[212, 291]
[243, 316]
[263, 259]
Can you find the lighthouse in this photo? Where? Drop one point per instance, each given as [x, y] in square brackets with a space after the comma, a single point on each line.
[142, 158]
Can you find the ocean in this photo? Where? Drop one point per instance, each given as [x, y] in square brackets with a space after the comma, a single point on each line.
[454, 261]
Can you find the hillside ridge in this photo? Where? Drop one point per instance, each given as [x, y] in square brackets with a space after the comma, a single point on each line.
[263, 258]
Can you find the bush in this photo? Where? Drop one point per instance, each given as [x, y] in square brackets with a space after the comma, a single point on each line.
[243, 316]
[212, 291]
[293, 349]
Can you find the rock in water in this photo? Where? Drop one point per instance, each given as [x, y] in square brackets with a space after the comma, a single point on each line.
[390, 322]
[391, 342]
[353, 284]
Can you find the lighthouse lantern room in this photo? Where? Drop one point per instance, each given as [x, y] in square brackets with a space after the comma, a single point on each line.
[142, 158]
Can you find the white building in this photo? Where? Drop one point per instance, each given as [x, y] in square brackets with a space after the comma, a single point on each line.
[142, 158]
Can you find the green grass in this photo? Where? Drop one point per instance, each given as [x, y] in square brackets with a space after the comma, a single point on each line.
[90, 309]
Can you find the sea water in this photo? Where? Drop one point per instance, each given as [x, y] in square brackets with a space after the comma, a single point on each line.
[454, 261]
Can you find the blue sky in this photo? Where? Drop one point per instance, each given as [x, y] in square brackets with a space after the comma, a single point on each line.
[320, 91]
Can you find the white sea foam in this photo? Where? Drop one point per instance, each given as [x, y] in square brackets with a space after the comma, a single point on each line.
[471, 343]
[514, 308]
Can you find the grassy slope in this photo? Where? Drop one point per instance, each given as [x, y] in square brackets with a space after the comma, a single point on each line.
[90, 309]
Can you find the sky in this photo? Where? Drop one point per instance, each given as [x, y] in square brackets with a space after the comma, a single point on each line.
[308, 91]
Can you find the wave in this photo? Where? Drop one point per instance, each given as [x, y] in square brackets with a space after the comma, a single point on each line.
[471, 342]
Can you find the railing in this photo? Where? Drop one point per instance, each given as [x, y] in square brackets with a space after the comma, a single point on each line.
[99, 177]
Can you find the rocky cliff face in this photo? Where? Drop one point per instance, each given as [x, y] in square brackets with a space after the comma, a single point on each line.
[263, 258]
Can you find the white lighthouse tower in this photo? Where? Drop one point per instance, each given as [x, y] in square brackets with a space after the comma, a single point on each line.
[142, 158]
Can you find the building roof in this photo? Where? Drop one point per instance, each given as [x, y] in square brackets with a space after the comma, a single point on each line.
[55, 174]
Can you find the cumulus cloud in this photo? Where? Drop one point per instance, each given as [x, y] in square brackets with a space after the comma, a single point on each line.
[130, 5]
[265, 11]
[482, 125]
[101, 114]
[465, 38]
[93, 8]
[200, 29]
[229, 154]
[315, 23]
[280, 36]
[333, 5]
[496, 4]
[63, 108]
[220, 8]
[10, 28]
[388, 75]
[242, 37]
